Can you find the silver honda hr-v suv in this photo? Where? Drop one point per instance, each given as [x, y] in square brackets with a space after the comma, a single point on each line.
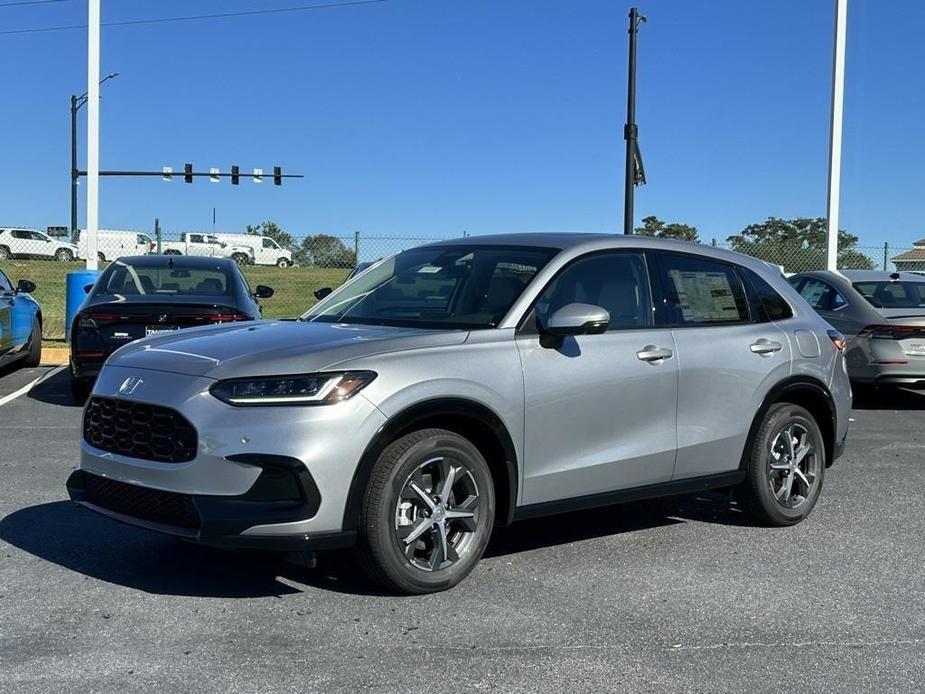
[467, 384]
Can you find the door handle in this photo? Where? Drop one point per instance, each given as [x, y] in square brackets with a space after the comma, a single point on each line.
[653, 354]
[765, 347]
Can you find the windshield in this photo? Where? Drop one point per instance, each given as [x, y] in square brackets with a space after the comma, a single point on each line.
[437, 286]
[124, 279]
[888, 294]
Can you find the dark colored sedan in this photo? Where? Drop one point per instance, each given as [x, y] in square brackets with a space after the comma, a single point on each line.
[139, 296]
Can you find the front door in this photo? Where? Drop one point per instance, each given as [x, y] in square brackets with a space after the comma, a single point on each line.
[599, 409]
[7, 297]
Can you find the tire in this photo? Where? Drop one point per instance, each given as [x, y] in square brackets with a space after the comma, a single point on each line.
[5, 253]
[764, 492]
[34, 355]
[392, 512]
[240, 259]
[283, 262]
[171, 252]
[64, 255]
[100, 256]
[80, 388]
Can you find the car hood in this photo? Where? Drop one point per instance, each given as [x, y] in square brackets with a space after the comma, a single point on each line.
[272, 347]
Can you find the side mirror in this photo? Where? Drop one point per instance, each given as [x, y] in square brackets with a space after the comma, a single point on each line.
[577, 319]
[25, 287]
[262, 291]
[321, 293]
[88, 288]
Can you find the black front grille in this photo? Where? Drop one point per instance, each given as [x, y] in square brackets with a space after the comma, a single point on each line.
[139, 430]
[153, 505]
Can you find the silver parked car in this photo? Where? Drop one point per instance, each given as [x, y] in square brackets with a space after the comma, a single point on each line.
[882, 315]
[470, 383]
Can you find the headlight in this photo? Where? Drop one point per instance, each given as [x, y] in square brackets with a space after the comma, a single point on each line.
[300, 389]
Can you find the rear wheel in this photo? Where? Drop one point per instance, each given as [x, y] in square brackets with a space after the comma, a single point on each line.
[64, 255]
[240, 259]
[34, 357]
[785, 466]
[100, 256]
[428, 512]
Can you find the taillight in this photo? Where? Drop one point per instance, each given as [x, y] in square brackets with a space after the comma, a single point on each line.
[228, 317]
[889, 332]
[838, 340]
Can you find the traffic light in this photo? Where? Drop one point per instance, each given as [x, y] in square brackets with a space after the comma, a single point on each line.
[277, 175]
[235, 175]
[187, 173]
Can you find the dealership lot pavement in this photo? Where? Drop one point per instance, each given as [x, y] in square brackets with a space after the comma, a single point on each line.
[670, 595]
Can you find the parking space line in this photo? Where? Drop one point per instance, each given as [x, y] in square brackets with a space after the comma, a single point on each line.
[29, 386]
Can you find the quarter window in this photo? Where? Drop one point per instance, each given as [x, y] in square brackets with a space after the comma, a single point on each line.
[702, 292]
[772, 304]
[617, 282]
[822, 296]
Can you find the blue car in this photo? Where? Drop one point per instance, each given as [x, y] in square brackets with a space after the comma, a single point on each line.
[20, 323]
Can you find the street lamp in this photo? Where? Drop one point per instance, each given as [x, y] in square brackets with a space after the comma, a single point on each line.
[76, 103]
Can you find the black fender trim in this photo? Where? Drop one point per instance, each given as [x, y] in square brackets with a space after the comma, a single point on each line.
[776, 394]
[407, 420]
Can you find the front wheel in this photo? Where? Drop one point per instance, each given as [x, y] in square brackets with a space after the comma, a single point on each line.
[5, 253]
[283, 262]
[64, 255]
[428, 512]
[785, 466]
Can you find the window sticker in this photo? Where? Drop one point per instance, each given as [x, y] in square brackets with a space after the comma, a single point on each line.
[705, 297]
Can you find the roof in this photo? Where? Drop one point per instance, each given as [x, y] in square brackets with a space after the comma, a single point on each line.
[184, 261]
[560, 240]
[916, 254]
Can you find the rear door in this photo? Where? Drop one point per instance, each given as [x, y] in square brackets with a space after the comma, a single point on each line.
[599, 409]
[829, 303]
[729, 358]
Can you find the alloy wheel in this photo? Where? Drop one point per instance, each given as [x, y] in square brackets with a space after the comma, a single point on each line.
[437, 514]
[793, 467]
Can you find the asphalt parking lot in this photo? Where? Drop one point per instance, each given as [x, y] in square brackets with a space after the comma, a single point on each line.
[672, 595]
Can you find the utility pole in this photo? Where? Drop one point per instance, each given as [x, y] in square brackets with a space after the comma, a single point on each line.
[838, 102]
[634, 172]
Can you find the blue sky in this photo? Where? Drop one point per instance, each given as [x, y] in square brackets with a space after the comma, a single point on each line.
[425, 118]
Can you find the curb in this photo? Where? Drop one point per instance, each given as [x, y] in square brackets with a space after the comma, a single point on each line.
[55, 356]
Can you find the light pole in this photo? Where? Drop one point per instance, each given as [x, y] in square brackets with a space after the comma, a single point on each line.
[76, 103]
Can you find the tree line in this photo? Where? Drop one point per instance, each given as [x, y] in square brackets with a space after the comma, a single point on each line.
[796, 244]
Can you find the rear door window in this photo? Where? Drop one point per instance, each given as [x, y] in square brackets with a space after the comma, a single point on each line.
[700, 291]
[822, 296]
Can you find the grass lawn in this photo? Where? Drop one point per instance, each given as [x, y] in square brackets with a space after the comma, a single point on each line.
[293, 285]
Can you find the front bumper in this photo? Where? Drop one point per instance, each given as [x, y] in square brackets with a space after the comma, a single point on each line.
[274, 477]
[282, 494]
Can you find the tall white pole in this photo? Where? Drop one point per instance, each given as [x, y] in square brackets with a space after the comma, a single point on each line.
[838, 102]
[93, 131]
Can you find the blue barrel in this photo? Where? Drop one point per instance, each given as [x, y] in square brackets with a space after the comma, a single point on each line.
[74, 295]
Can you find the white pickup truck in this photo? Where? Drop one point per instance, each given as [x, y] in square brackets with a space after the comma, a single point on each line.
[209, 245]
[266, 250]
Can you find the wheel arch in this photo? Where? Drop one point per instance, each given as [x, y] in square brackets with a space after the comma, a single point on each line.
[468, 418]
[809, 393]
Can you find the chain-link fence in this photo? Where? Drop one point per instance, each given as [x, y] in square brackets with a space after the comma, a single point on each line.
[296, 266]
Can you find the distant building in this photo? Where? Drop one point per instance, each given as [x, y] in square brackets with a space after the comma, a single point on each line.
[913, 260]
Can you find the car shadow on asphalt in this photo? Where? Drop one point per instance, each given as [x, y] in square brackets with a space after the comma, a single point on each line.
[888, 399]
[75, 538]
[56, 390]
